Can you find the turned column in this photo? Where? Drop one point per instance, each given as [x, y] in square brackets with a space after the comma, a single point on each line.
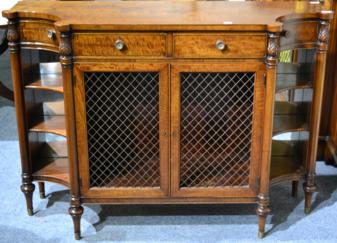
[27, 187]
[273, 49]
[309, 185]
[75, 210]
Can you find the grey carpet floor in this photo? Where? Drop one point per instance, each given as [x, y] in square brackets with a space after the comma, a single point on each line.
[188, 223]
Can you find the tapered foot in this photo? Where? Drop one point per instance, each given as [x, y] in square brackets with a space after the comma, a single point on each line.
[77, 236]
[28, 189]
[294, 190]
[309, 188]
[29, 212]
[261, 235]
[307, 210]
[262, 224]
[76, 213]
[42, 190]
[307, 203]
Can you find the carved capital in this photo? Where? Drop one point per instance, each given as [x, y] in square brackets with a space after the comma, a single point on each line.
[13, 36]
[273, 49]
[12, 33]
[65, 45]
[323, 36]
[65, 50]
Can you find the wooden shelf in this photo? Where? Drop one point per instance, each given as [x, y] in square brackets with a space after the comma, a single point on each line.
[50, 124]
[285, 169]
[288, 108]
[56, 170]
[290, 117]
[50, 82]
[295, 68]
[289, 123]
[286, 161]
[292, 81]
[294, 76]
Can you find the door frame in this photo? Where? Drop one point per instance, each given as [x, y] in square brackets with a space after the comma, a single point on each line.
[81, 129]
[257, 132]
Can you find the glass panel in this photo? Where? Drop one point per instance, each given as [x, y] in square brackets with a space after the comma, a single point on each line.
[295, 80]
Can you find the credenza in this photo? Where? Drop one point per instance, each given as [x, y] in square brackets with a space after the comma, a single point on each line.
[175, 103]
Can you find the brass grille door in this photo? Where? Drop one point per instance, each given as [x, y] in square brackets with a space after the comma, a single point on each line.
[125, 110]
[215, 126]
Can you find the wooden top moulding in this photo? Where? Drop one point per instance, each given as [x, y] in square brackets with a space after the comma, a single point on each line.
[168, 15]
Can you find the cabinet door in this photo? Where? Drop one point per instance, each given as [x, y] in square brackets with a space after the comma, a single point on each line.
[120, 110]
[216, 129]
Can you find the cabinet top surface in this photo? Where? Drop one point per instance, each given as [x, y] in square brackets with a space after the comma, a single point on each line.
[166, 15]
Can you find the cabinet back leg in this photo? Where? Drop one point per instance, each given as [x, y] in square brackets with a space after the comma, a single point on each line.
[294, 189]
[42, 190]
[76, 214]
[28, 189]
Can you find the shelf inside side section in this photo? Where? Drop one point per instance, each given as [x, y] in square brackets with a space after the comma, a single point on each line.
[50, 82]
[290, 117]
[286, 161]
[49, 78]
[53, 163]
[294, 76]
[50, 124]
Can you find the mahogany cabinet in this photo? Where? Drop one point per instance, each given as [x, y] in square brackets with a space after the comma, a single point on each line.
[174, 103]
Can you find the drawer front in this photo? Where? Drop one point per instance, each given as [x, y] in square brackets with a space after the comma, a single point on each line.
[120, 44]
[209, 45]
[301, 34]
[38, 33]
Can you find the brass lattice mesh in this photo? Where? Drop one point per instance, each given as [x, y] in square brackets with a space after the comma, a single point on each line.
[122, 111]
[216, 129]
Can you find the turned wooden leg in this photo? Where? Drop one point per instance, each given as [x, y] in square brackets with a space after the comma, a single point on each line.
[309, 187]
[41, 190]
[262, 211]
[28, 189]
[294, 189]
[76, 211]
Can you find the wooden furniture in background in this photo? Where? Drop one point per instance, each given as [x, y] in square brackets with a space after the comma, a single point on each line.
[177, 109]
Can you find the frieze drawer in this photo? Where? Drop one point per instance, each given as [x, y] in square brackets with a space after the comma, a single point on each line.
[120, 44]
[38, 33]
[219, 45]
